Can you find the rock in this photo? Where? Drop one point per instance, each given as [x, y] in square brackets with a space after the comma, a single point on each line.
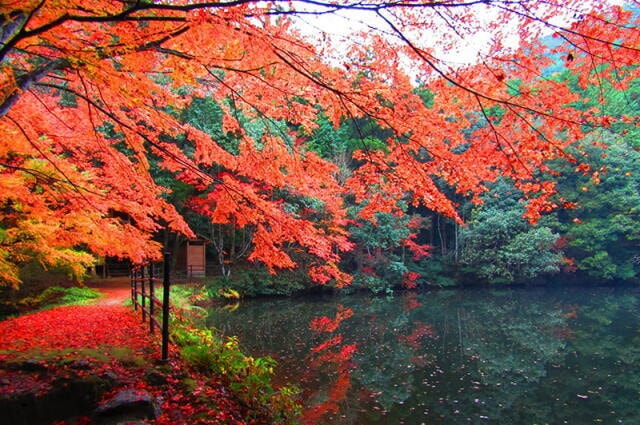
[32, 366]
[81, 364]
[110, 377]
[127, 406]
[156, 378]
[46, 402]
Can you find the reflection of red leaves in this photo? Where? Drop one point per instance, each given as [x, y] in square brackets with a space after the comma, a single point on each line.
[571, 313]
[336, 394]
[564, 333]
[322, 324]
[328, 343]
[410, 302]
[338, 357]
[340, 389]
[325, 324]
[313, 415]
[422, 360]
[420, 331]
[330, 353]
[346, 352]
[409, 280]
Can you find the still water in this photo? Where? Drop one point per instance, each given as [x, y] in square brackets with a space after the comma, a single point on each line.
[522, 356]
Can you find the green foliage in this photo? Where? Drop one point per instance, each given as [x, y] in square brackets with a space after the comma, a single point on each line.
[606, 100]
[57, 295]
[206, 114]
[426, 95]
[375, 284]
[600, 236]
[532, 253]
[248, 377]
[386, 233]
[357, 134]
[436, 270]
[71, 270]
[500, 246]
[380, 259]
[599, 265]
[601, 232]
[326, 140]
[50, 297]
[256, 280]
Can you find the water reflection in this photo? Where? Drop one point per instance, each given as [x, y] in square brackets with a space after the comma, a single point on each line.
[501, 357]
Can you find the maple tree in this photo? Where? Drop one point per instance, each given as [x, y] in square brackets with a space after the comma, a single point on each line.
[88, 96]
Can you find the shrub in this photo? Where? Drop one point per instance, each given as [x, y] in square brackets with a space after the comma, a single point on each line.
[248, 377]
[256, 281]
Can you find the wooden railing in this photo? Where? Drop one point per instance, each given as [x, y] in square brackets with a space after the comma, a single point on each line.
[145, 279]
[196, 270]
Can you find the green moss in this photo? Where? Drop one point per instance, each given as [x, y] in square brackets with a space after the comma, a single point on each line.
[67, 356]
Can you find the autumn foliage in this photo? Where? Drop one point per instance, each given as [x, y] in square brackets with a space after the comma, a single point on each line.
[89, 93]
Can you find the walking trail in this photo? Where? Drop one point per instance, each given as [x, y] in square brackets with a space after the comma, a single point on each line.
[106, 338]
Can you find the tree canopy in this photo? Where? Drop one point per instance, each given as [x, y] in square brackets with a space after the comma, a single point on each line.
[91, 94]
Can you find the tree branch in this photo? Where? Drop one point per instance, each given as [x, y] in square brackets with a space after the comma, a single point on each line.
[26, 81]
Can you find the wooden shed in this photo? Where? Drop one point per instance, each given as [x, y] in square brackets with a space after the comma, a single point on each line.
[196, 258]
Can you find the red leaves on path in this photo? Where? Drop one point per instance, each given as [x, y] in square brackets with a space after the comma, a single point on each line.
[108, 336]
[89, 326]
[74, 332]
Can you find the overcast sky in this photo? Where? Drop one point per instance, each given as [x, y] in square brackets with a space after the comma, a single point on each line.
[466, 46]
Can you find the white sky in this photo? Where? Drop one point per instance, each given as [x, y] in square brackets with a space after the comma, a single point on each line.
[341, 25]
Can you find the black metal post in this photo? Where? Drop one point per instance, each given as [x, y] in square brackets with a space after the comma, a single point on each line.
[143, 294]
[134, 276]
[152, 304]
[166, 284]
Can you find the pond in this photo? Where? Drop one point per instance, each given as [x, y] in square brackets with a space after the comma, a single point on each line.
[522, 356]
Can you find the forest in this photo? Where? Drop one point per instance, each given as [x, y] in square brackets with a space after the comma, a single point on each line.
[426, 177]
[370, 160]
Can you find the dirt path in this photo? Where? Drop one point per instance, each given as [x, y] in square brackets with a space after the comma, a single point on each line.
[43, 352]
[107, 322]
[116, 291]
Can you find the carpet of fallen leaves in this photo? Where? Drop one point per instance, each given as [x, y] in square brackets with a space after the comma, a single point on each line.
[108, 337]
